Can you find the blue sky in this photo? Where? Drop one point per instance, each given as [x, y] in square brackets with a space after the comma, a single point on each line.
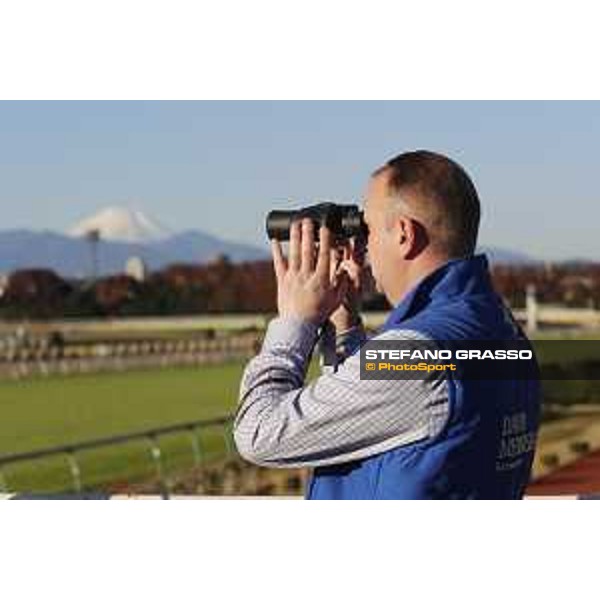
[220, 166]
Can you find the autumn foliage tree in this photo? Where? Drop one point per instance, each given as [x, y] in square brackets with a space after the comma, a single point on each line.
[225, 287]
[35, 293]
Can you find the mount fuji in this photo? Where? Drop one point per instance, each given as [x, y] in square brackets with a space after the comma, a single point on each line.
[120, 224]
[120, 233]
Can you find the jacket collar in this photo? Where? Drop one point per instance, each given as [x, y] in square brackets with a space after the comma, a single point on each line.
[457, 277]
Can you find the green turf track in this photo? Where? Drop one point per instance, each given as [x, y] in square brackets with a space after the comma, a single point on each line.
[41, 413]
[59, 410]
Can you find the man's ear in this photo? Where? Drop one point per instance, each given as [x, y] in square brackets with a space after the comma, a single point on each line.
[413, 238]
[406, 235]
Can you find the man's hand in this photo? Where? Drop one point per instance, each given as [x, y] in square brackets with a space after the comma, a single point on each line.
[353, 263]
[306, 290]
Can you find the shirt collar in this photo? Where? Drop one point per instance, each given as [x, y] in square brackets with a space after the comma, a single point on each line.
[457, 277]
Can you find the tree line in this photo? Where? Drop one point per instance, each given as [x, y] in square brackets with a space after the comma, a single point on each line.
[225, 287]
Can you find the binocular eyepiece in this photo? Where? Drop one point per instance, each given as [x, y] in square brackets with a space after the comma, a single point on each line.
[345, 221]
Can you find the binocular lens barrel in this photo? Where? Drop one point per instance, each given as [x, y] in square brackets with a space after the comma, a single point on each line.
[344, 220]
[278, 224]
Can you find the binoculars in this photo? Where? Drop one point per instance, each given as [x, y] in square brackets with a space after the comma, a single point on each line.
[345, 221]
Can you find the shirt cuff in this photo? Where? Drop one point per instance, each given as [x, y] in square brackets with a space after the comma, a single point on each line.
[291, 335]
[348, 341]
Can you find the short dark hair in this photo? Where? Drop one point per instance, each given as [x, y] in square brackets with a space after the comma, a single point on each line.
[440, 189]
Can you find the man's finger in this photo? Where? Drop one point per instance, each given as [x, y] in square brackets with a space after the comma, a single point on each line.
[324, 261]
[279, 262]
[336, 258]
[294, 250]
[308, 246]
[359, 251]
[347, 252]
[341, 286]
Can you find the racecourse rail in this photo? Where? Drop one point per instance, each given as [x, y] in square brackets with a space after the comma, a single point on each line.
[151, 436]
[546, 313]
[193, 428]
[97, 345]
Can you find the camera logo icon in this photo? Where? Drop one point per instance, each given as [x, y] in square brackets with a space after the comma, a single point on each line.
[370, 366]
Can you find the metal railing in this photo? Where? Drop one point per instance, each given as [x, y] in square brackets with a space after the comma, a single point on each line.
[35, 360]
[151, 436]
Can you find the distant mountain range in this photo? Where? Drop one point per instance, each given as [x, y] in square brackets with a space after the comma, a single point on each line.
[123, 233]
[72, 256]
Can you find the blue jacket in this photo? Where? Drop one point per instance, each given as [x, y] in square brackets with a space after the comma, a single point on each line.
[478, 454]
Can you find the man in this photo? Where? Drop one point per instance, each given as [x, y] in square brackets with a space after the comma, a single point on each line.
[436, 437]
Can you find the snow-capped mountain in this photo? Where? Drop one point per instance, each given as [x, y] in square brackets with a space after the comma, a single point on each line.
[123, 233]
[119, 224]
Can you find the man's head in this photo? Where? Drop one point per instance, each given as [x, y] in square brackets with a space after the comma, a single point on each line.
[422, 210]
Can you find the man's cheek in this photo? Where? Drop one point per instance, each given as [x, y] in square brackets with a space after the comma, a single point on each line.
[376, 281]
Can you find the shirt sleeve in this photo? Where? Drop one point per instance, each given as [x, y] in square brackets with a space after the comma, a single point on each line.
[349, 341]
[336, 418]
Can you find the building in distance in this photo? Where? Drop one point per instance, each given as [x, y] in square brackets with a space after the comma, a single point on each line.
[136, 268]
